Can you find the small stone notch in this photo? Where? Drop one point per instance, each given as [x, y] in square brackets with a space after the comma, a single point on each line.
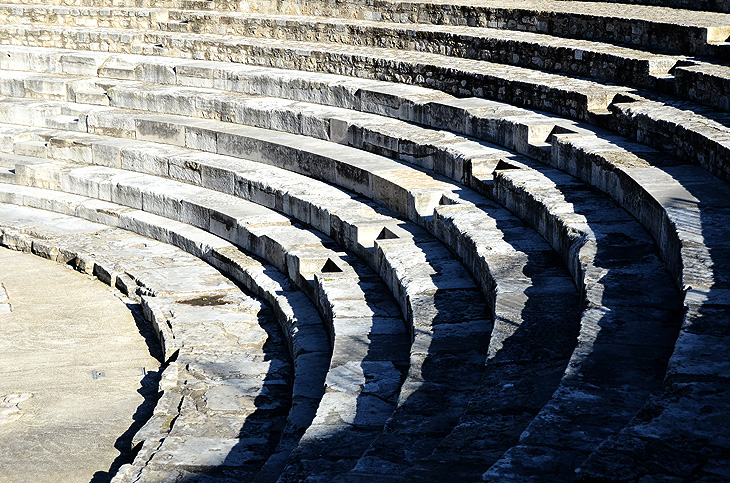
[446, 201]
[331, 267]
[503, 165]
[386, 234]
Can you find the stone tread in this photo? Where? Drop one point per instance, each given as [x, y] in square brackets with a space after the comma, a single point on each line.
[418, 289]
[629, 323]
[415, 104]
[243, 384]
[576, 57]
[291, 250]
[578, 97]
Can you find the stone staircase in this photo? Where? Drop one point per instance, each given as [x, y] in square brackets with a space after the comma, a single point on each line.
[408, 241]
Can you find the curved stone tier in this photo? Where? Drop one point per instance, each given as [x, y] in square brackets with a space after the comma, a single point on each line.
[227, 388]
[493, 235]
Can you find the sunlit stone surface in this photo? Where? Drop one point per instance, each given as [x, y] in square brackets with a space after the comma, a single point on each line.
[59, 416]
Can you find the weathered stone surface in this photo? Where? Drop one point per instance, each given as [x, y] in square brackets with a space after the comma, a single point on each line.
[221, 91]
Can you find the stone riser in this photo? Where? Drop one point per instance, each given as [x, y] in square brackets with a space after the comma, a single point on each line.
[338, 295]
[198, 331]
[507, 306]
[569, 97]
[580, 58]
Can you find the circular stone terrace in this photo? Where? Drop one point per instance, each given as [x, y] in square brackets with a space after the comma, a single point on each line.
[375, 240]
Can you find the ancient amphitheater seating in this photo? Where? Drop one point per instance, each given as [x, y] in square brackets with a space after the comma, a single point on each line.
[411, 241]
[244, 380]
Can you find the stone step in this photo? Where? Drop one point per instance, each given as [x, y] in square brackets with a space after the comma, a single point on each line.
[680, 132]
[441, 151]
[527, 49]
[687, 210]
[703, 82]
[629, 324]
[240, 384]
[571, 97]
[520, 129]
[461, 226]
[368, 322]
[639, 26]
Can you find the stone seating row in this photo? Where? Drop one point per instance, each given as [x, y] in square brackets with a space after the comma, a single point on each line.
[682, 206]
[630, 321]
[695, 271]
[567, 250]
[703, 81]
[231, 369]
[709, 135]
[663, 29]
[508, 310]
[644, 26]
[526, 49]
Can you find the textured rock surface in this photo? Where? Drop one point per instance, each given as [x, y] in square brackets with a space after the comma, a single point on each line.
[77, 377]
[488, 256]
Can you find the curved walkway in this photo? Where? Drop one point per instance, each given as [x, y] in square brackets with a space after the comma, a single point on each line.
[59, 419]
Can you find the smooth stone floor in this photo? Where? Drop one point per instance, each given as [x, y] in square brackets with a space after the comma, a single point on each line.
[58, 423]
